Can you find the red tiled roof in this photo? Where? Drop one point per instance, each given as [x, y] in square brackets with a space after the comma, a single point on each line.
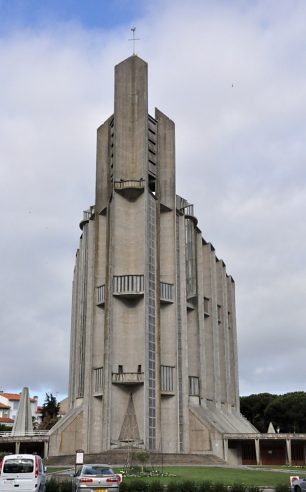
[6, 420]
[13, 396]
[2, 405]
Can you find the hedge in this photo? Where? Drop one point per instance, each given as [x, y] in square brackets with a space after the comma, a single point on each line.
[135, 485]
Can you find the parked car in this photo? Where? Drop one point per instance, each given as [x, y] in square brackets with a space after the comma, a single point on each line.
[298, 484]
[96, 477]
[23, 471]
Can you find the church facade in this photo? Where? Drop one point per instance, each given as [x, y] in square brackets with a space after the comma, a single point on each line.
[153, 356]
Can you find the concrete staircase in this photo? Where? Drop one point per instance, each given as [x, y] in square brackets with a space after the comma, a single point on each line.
[120, 457]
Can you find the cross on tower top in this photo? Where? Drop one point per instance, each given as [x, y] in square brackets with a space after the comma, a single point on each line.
[133, 29]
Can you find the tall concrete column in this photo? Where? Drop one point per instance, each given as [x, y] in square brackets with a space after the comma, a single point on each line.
[288, 449]
[46, 449]
[257, 452]
[225, 449]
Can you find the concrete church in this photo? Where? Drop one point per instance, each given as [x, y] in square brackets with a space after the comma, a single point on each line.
[153, 361]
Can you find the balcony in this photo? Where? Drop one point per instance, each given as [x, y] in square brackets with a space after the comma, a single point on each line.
[166, 292]
[130, 188]
[87, 214]
[128, 286]
[101, 295]
[206, 307]
[167, 380]
[189, 214]
[97, 380]
[128, 378]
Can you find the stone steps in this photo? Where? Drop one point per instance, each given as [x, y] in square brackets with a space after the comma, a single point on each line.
[120, 457]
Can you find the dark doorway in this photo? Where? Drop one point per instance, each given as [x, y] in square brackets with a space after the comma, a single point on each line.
[298, 453]
[273, 452]
[248, 453]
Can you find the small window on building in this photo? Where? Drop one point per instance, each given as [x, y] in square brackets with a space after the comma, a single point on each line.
[151, 183]
[139, 368]
[120, 369]
[194, 386]
[219, 310]
[98, 380]
[206, 307]
[166, 373]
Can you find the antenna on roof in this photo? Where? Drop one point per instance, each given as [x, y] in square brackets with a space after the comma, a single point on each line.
[133, 29]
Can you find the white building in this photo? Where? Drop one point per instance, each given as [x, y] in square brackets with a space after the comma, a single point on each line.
[10, 402]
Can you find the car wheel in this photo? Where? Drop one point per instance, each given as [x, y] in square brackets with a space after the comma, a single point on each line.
[297, 488]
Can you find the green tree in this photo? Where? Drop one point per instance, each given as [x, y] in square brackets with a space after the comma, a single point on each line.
[288, 412]
[253, 408]
[142, 457]
[4, 427]
[50, 411]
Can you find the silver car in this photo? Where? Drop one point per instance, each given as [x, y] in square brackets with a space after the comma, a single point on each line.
[96, 478]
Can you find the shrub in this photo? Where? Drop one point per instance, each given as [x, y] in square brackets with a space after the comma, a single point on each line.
[238, 487]
[205, 486]
[282, 487]
[253, 488]
[155, 486]
[65, 486]
[137, 486]
[219, 487]
[187, 486]
[53, 485]
[124, 487]
[173, 487]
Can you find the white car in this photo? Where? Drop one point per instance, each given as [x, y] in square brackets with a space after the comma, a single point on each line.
[298, 484]
[23, 472]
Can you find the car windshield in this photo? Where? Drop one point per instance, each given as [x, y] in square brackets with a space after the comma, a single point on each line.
[97, 470]
[23, 465]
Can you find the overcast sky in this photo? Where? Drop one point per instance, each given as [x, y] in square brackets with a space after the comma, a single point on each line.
[231, 74]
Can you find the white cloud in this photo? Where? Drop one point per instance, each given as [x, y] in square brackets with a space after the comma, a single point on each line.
[232, 77]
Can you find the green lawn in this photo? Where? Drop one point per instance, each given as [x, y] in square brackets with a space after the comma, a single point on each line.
[259, 476]
[227, 476]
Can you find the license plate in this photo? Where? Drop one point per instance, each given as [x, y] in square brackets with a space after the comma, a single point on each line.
[100, 490]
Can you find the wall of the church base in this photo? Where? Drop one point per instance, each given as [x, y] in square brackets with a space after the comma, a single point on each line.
[67, 436]
[199, 436]
[234, 456]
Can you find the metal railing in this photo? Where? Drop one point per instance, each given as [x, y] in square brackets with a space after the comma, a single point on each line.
[128, 284]
[24, 434]
[166, 292]
[131, 183]
[100, 294]
[128, 377]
